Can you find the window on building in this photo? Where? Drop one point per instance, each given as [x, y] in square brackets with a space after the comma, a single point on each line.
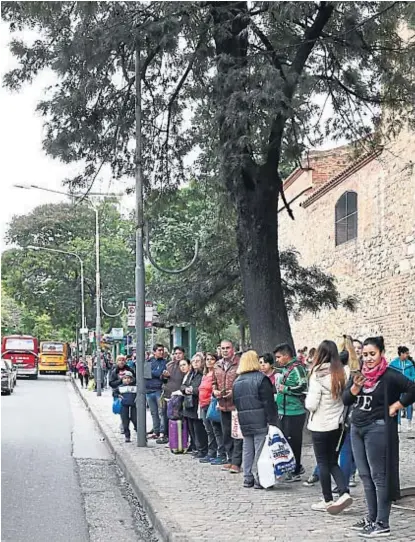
[346, 218]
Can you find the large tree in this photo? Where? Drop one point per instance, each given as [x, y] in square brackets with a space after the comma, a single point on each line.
[242, 84]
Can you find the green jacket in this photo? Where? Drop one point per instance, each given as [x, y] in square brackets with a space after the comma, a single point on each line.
[290, 401]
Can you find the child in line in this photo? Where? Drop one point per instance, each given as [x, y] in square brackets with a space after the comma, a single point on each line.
[127, 391]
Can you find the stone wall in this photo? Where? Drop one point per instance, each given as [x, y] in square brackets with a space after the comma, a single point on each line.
[379, 266]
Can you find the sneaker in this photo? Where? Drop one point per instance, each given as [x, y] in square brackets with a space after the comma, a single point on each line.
[321, 506]
[235, 470]
[249, 483]
[257, 485]
[162, 440]
[352, 482]
[376, 530]
[313, 479]
[226, 466]
[290, 478]
[127, 439]
[302, 470]
[361, 524]
[206, 459]
[199, 455]
[153, 436]
[219, 461]
[341, 504]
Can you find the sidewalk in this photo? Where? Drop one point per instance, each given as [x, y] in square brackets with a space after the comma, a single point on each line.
[190, 502]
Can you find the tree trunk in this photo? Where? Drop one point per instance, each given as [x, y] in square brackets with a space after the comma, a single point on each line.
[253, 189]
[257, 238]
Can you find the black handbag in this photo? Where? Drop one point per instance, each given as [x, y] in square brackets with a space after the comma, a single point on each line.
[188, 401]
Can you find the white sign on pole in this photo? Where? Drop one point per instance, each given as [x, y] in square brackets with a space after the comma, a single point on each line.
[83, 330]
[117, 333]
[131, 313]
[150, 317]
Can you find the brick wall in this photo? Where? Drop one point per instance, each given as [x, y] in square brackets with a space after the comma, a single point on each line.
[378, 267]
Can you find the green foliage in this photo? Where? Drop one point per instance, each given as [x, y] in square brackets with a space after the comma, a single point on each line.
[49, 283]
[242, 85]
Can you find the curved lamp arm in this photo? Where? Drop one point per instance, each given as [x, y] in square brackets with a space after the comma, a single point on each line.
[112, 315]
[162, 269]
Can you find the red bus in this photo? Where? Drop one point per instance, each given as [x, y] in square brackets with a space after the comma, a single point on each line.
[23, 352]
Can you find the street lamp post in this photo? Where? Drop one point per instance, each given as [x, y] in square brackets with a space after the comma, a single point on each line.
[81, 263]
[98, 276]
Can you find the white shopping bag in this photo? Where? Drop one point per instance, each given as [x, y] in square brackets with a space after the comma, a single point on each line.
[276, 459]
[265, 467]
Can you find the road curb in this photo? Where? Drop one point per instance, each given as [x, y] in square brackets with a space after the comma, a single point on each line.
[167, 531]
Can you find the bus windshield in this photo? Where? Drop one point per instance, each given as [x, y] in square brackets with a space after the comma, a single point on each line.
[53, 348]
[17, 343]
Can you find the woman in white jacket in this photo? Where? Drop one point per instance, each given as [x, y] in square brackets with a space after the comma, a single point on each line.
[328, 379]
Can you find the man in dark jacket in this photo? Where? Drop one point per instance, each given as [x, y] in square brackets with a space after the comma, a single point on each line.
[224, 375]
[157, 365]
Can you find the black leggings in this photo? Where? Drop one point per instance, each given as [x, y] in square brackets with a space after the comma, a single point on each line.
[82, 378]
[326, 449]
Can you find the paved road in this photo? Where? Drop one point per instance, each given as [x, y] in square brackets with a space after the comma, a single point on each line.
[59, 481]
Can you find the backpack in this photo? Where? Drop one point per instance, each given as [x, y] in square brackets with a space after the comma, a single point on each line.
[175, 407]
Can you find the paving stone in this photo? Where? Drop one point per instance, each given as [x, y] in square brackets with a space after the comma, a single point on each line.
[197, 502]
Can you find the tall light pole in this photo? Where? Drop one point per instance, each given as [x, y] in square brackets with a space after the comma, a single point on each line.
[140, 300]
[98, 276]
[81, 263]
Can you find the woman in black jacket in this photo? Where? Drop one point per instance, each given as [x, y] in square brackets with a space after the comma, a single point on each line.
[253, 396]
[377, 394]
[190, 390]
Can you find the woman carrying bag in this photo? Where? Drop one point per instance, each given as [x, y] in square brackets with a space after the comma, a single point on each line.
[216, 451]
[327, 382]
[254, 400]
[378, 393]
[190, 390]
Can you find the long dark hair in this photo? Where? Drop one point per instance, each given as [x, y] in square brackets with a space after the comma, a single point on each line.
[327, 352]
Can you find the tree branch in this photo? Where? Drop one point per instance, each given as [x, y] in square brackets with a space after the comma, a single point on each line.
[275, 59]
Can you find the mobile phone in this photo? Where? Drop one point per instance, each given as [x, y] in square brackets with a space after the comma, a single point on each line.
[359, 373]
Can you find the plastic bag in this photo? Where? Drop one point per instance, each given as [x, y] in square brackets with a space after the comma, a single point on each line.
[276, 458]
[116, 405]
[213, 413]
[265, 466]
[91, 385]
[236, 429]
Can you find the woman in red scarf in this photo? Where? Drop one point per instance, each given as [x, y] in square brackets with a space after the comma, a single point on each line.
[377, 394]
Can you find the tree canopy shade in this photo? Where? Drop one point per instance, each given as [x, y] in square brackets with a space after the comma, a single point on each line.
[242, 85]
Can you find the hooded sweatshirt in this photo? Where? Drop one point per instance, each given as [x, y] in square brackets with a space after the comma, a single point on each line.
[326, 413]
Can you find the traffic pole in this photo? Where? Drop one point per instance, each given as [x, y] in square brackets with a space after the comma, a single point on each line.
[139, 264]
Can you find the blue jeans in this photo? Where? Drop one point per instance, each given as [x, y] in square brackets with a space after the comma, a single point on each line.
[409, 411]
[369, 449]
[346, 459]
[153, 400]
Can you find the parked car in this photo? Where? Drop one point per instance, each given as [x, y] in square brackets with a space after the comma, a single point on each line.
[8, 377]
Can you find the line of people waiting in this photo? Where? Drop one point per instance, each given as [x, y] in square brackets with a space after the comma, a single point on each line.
[351, 399]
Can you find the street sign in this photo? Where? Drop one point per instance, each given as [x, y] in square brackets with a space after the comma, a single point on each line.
[91, 336]
[83, 330]
[151, 315]
[117, 333]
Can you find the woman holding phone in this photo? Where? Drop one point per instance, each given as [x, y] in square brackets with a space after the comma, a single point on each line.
[377, 394]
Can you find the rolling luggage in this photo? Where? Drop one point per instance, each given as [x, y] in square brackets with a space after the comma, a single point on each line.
[178, 436]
